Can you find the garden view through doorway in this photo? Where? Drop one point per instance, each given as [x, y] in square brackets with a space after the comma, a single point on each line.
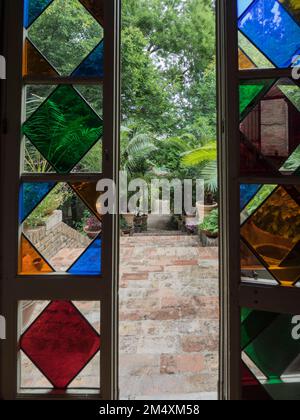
[169, 298]
[169, 304]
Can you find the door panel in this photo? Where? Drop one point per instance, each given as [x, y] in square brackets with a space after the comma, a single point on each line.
[59, 255]
[259, 168]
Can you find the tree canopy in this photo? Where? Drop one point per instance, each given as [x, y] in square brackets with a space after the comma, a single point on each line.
[168, 50]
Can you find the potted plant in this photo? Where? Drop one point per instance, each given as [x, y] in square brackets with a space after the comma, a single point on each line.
[140, 223]
[209, 229]
[93, 227]
[125, 228]
[205, 159]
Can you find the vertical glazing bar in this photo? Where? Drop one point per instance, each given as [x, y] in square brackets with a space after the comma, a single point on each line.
[10, 165]
[228, 152]
[111, 116]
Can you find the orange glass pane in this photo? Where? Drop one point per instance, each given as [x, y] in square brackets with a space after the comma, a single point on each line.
[244, 61]
[273, 233]
[96, 8]
[31, 260]
[252, 268]
[88, 193]
[34, 64]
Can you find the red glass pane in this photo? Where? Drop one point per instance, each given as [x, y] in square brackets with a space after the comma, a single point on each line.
[60, 342]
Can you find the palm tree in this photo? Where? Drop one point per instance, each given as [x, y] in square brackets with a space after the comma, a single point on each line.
[205, 158]
[136, 149]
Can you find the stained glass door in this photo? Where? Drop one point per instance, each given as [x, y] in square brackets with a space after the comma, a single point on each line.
[259, 130]
[59, 253]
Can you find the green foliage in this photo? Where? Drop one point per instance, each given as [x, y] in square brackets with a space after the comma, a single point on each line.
[63, 128]
[168, 63]
[205, 158]
[211, 223]
[206, 153]
[136, 149]
[65, 33]
[168, 83]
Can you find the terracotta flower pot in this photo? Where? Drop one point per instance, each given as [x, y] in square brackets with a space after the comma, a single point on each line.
[92, 234]
[129, 218]
[204, 210]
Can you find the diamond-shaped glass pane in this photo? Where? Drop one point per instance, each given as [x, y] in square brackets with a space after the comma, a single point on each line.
[273, 234]
[273, 128]
[268, 25]
[271, 354]
[64, 128]
[60, 343]
[65, 232]
[65, 33]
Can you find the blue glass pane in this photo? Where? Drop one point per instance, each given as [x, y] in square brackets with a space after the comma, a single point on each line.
[247, 192]
[31, 194]
[89, 263]
[271, 28]
[32, 9]
[92, 66]
[243, 5]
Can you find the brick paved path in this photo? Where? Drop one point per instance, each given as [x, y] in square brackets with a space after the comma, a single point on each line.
[168, 318]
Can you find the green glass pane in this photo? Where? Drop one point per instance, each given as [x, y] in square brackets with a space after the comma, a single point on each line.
[272, 355]
[257, 201]
[245, 312]
[292, 92]
[274, 349]
[254, 324]
[250, 93]
[65, 33]
[63, 128]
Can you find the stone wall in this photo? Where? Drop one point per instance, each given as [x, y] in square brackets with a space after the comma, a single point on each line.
[55, 236]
